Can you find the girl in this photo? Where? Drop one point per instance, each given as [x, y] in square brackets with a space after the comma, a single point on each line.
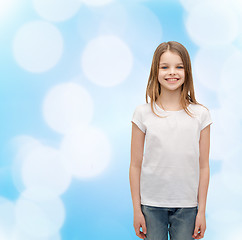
[169, 183]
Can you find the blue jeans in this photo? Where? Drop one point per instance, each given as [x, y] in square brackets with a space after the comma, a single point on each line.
[179, 222]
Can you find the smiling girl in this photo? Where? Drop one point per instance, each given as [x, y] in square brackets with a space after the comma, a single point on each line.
[169, 181]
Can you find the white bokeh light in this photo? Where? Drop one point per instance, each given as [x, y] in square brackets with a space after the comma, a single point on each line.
[7, 218]
[148, 30]
[216, 192]
[42, 167]
[107, 61]
[189, 4]
[208, 64]
[3, 236]
[39, 217]
[218, 24]
[67, 106]
[96, 3]
[229, 90]
[229, 94]
[37, 46]
[114, 224]
[233, 232]
[56, 10]
[5, 7]
[225, 189]
[231, 179]
[225, 134]
[102, 21]
[37, 165]
[18, 234]
[23, 145]
[220, 206]
[86, 153]
[231, 171]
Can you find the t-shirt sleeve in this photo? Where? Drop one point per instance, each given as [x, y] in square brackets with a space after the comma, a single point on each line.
[137, 119]
[205, 119]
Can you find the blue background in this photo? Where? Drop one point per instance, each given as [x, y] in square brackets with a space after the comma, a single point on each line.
[100, 207]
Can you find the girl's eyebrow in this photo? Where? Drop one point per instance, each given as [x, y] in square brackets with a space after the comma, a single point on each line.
[168, 64]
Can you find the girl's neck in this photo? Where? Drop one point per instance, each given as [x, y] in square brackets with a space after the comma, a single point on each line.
[170, 103]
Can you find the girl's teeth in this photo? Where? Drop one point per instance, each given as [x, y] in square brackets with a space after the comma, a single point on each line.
[173, 79]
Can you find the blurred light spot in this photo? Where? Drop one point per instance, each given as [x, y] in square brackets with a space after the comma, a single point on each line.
[233, 231]
[208, 64]
[225, 221]
[67, 106]
[217, 199]
[42, 167]
[86, 152]
[189, 4]
[231, 171]
[225, 189]
[96, 2]
[22, 145]
[37, 46]
[143, 30]
[236, 4]
[107, 61]
[5, 6]
[116, 227]
[7, 218]
[225, 134]
[56, 10]
[218, 24]
[3, 236]
[20, 235]
[231, 180]
[229, 91]
[102, 21]
[39, 217]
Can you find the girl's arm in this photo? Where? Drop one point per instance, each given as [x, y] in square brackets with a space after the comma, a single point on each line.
[204, 146]
[137, 149]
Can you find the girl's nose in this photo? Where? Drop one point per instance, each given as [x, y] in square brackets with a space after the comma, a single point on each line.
[172, 70]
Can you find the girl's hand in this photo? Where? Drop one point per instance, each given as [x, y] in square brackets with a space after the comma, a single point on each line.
[200, 225]
[139, 221]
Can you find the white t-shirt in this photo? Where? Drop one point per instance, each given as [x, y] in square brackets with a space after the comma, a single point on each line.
[170, 167]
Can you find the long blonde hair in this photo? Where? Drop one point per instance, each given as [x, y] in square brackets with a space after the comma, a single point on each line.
[153, 89]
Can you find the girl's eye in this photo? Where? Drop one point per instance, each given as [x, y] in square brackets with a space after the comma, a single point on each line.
[166, 67]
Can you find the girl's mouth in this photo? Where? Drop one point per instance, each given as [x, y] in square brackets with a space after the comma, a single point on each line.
[172, 80]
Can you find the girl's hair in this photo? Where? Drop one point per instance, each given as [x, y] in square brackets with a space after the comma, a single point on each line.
[153, 89]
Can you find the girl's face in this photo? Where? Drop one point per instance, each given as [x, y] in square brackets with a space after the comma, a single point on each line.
[171, 68]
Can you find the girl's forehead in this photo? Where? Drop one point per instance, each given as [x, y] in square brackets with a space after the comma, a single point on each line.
[170, 57]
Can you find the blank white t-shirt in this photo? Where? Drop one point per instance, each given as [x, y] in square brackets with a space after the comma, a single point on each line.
[170, 167]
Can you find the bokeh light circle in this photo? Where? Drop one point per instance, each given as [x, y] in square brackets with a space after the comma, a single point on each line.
[86, 153]
[22, 145]
[218, 24]
[209, 62]
[67, 106]
[107, 61]
[7, 218]
[96, 3]
[42, 168]
[56, 10]
[229, 90]
[39, 217]
[37, 46]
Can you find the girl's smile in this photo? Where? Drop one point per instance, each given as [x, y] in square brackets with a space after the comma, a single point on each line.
[171, 71]
[172, 80]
